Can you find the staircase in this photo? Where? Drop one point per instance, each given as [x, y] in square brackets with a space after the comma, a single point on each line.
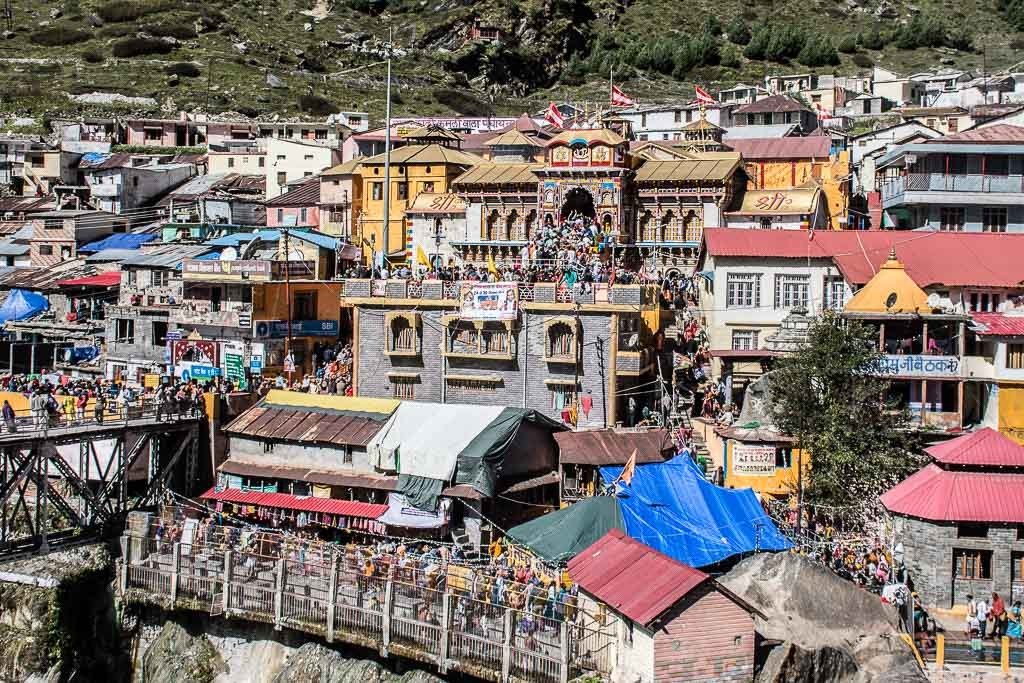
[461, 539]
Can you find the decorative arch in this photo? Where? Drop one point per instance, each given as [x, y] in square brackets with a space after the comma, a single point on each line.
[528, 223]
[561, 340]
[491, 225]
[512, 225]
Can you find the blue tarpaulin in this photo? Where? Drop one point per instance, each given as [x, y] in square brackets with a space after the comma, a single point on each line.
[672, 508]
[21, 304]
[131, 240]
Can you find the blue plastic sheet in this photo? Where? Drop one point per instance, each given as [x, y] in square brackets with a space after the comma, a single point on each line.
[672, 508]
[21, 304]
[130, 240]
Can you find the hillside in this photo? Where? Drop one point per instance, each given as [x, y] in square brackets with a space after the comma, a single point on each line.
[308, 57]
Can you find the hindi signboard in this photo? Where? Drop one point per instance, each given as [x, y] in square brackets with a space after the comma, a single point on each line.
[490, 301]
[278, 329]
[225, 271]
[233, 354]
[751, 460]
[925, 367]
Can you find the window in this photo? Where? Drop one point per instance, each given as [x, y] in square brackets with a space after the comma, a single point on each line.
[231, 162]
[280, 216]
[993, 219]
[307, 157]
[354, 121]
[743, 290]
[815, 98]
[835, 293]
[765, 223]
[953, 125]
[303, 215]
[997, 165]
[744, 340]
[562, 397]
[133, 277]
[320, 134]
[65, 251]
[561, 342]
[783, 458]
[678, 116]
[1015, 356]
[496, 339]
[53, 224]
[792, 291]
[643, 120]
[282, 179]
[154, 134]
[930, 123]
[968, 530]
[951, 218]
[403, 335]
[464, 337]
[159, 333]
[428, 187]
[261, 162]
[306, 174]
[304, 306]
[161, 278]
[403, 191]
[403, 388]
[377, 191]
[268, 446]
[125, 330]
[281, 157]
[46, 250]
[972, 564]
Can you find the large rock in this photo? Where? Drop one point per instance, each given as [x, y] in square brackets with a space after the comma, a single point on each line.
[178, 656]
[314, 663]
[831, 630]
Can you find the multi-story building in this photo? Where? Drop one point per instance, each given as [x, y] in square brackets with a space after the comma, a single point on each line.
[969, 181]
[668, 121]
[121, 182]
[298, 207]
[56, 235]
[741, 93]
[248, 157]
[340, 200]
[946, 120]
[292, 160]
[865, 149]
[896, 88]
[777, 110]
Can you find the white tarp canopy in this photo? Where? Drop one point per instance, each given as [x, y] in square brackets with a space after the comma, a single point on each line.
[425, 439]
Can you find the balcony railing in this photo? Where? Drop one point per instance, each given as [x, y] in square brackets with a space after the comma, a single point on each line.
[188, 315]
[529, 292]
[942, 182]
[663, 233]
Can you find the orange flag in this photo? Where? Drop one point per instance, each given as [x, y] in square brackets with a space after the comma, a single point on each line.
[629, 469]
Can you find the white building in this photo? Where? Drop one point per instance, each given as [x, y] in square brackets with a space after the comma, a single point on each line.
[864, 149]
[291, 160]
[667, 121]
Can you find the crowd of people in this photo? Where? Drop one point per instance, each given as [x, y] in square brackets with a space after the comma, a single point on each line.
[332, 376]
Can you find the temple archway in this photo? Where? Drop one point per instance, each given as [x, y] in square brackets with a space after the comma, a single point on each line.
[578, 201]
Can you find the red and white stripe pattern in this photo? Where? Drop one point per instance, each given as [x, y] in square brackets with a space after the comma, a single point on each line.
[553, 116]
[703, 96]
[620, 99]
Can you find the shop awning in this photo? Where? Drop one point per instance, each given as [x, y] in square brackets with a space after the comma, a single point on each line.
[111, 279]
[286, 501]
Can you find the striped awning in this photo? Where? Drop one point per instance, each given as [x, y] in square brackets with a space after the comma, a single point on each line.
[286, 501]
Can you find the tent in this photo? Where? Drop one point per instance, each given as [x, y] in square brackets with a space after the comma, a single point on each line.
[669, 506]
[21, 304]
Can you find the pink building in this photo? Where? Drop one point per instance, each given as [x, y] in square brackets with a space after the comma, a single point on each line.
[298, 207]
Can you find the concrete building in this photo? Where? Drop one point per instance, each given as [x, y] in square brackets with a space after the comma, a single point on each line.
[896, 88]
[56, 235]
[946, 120]
[741, 93]
[340, 200]
[775, 110]
[121, 183]
[864, 149]
[671, 622]
[292, 160]
[246, 157]
[958, 534]
[793, 209]
[668, 121]
[298, 207]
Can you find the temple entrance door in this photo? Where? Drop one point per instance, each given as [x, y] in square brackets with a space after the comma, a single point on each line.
[578, 201]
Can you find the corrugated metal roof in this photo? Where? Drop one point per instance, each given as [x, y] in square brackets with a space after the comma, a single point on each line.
[756, 149]
[773, 130]
[495, 174]
[167, 256]
[609, 447]
[985, 447]
[998, 324]
[982, 259]
[306, 425]
[716, 169]
[632, 578]
[10, 248]
[274, 470]
[235, 239]
[512, 138]
[772, 104]
[958, 496]
[286, 501]
[108, 279]
[424, 154]
[111, 255]
[306, 193]
[587, 136]
[130, 240]
[1000, 133]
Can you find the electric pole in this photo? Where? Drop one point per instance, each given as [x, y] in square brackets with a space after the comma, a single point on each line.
[387, 153]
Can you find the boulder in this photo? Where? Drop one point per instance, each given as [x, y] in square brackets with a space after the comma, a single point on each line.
[275, 81]
[830, 629]
[56, 13]
[314, 663]
[177, 656]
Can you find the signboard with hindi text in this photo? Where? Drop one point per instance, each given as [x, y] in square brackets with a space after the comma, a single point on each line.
[490, 301]
[925, 367]
[753, 460]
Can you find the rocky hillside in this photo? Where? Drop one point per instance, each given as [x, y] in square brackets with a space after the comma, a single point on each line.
[311, 57]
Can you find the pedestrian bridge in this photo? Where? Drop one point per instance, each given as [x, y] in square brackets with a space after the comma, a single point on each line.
[409, 614]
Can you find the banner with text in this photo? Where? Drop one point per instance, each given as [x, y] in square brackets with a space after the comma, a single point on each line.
[490, 301]
[750, 460]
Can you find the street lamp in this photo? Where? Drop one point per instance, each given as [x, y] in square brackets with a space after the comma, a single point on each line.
[438, 236]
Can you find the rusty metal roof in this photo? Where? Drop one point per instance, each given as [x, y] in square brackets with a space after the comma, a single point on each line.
[609, 447]
[718, 168]
[366, 480]
[288, 423]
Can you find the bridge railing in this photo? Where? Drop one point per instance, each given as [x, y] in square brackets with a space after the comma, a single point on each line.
[421, 619]
[72, 417]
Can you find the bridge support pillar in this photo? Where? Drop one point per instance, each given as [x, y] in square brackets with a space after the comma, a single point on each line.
[386, 617]
[125, 560]
[229, 560]
[446, 619]
[332, 597]
[506, 645]
[563, 653]
[175, 571]
[279, 595]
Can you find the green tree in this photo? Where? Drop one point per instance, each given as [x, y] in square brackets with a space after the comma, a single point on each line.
[757, 47]
[828, 398]
[818, 51]
[730, 57]
[872, 40]
[847, 44]
[738, 31]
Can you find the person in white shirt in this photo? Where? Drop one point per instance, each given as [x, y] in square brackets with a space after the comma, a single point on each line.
[982, 610]
[972, 612]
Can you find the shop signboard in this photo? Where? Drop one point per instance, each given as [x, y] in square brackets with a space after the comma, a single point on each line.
[490, 301]
[923, 366]
[753, 460]
[234, 363]
[278, 329]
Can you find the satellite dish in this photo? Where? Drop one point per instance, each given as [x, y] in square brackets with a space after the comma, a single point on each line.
[890, 300]
[229, 254]
[633, 341]
[934, 300]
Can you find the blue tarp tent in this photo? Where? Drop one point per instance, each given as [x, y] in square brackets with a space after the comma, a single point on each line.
[21, 304]
[130, 240]
[672, 508]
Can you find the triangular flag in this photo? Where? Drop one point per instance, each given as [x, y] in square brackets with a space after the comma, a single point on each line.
[703, 96]
[620, 99]
[552, 115]
[492, 267]
[629, 469]
[421, 257]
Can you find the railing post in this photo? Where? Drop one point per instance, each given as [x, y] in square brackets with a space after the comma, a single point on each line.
[940, 651]
[332, 597]
[175, 570]
[563, 653]
[506, 645]
[1004, 655]
[446, 616]
[125, 561]
[279, 594]
[228, 562]
[386, 616]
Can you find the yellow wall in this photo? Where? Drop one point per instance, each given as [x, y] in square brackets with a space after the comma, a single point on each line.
[781, 484]
[784, 175]
[1011, 411]
[269, 302]
[372, 221]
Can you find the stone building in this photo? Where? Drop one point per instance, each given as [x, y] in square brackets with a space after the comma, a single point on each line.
[958, 521]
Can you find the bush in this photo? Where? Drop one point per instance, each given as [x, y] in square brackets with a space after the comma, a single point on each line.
[93, 56]
[134, 47]
[316, 105]
[174, 29]
[730, 57]
[872, 40]
[738, 31]
[117, 30]
[819, 51]
[212, 19]
[130, 10]
[847, 44]
[53, 36]
[186, 69]
[462, 102]
[863, 61]
[1013, 12]
[922, 31]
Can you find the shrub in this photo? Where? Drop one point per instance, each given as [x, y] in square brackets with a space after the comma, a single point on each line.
[212, 19]
[872, 40]
[174, 29]
[134, 47]
[819, 51]
[186, 69]
[863, 61]
[847, 44]
[316, 105]
[93, 56]
[117, 30]
[462, 102]
[730, 57]
[130, 10]
[738, 31]
[923, 31]
[52, 36]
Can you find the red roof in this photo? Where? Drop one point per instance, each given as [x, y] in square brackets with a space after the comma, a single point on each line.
[995, 134]
[983, 447]
[286, 501]
[305, 193]
[982, 259]
[632, 578]
[111, 279]
[958, 496]
[999, 324]
[756, 149]
[772, 103]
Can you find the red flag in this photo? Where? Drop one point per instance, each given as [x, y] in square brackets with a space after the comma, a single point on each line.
[620, 99]
[823, 115]
[703, 96]
[629, 470]
[552, 115]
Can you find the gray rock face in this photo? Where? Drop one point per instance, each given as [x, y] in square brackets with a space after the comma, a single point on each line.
[314, 663]
[178, 656]
[831, 630]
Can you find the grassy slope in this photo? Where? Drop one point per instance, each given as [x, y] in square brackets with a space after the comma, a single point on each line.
[273, 31]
